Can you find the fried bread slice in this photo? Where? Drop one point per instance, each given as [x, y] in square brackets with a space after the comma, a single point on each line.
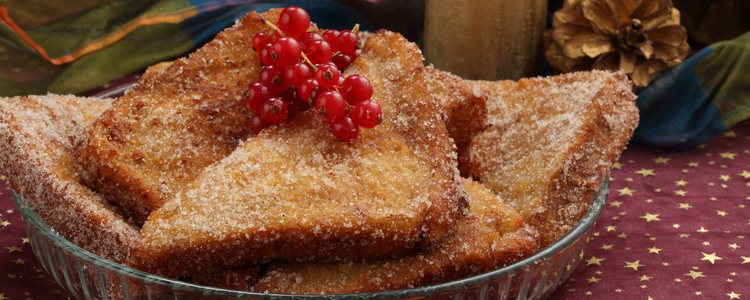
[240, 279]
[550, 143]
[490, 236]
[175, 122]
[464, 108]
[293, 192]
[37, 137]
[39, 134]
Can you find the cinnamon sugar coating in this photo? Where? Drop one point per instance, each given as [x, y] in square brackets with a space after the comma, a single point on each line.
[241, 279]
[179, 119]
[37, 136]
[464, 108]
[490, 236]
[551, 142]
[295, 193]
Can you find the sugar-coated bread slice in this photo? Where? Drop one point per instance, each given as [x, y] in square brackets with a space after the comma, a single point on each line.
[241, 279]
[490, 236]
[37, 136]
[294, 192]
[179, 119]
[464, 108]
[551, 142]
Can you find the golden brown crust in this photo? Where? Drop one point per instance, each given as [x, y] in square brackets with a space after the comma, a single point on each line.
[418, 119]
[490, 236]
[155, 70]
[293, 192]
[38, 155]
[37, 135]
[551, 142]
[174, 123]
[464, 109]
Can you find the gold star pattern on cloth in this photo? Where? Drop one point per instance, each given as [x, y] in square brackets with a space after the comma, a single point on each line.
[712, 258]
[633, 264]
[21, 276]
[626, 191]
[646, 172]
[695, 274]
[676, 225]
[733, 295]
[594, 261]
[650, 217]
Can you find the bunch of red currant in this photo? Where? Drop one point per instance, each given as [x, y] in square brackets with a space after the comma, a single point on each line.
[302, 70]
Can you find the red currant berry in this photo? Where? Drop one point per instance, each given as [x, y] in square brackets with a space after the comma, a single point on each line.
[265, 55]
[367, 114]
[340, 82]
[306, 39]
[347, 42]
[297, 74]
[327, 75]
[330, 106]
[291, 103]
[257, 124]
[344, 129]
[331, 36]
[271, 77]
[304, 91]
[294, 21]
[295, 103]
[317, 91]
[342, 61]
[261, 39]
[356, 89]
[286, 52]
[319, 52]
[256, 93]
[274, 110]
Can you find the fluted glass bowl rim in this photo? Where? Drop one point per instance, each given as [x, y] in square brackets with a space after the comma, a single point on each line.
[598, 201]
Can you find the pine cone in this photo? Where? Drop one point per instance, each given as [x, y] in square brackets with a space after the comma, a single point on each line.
[640, 37]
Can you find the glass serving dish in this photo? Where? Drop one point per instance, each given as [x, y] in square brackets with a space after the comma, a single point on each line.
[87, 276]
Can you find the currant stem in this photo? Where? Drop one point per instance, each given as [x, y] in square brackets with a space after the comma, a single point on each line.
[272, 26]
[356, 28]
[307, 60]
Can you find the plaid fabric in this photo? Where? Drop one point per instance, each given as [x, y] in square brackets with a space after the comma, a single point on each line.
[54, 46]
[691, 102]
